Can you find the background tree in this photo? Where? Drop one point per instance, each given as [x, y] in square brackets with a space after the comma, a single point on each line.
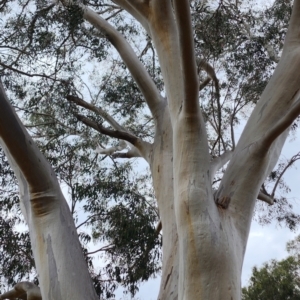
[276, 279]
[150, 98]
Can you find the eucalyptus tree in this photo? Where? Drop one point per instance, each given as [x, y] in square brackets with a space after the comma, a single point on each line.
[162, 107]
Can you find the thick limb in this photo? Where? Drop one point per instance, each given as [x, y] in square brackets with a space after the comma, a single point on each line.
[56, 249]
[265, 132]
[136, 68]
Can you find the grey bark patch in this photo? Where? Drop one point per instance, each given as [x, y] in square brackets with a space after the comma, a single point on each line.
[55, 292]
[25, 194]
[213, 231]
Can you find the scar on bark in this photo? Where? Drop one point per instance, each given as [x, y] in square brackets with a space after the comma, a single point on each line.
[168, 277]
[224, 201]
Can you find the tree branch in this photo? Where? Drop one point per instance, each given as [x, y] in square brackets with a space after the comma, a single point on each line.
[23, 290]
[219, 162]
[131, 153]
[138, 9]
[292, 160]
[203, 84]
[138, 148]
[202, 64]
[104, 248]
[97, 110]
[109, 151]
[208, 68]
[261, 142]
[28, 74]
[232, 130]
[187, 55]
[136, 68]
[266, 198]
[123, 135]
[292, 36]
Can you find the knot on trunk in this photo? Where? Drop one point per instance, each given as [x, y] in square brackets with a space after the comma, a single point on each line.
[223, 202]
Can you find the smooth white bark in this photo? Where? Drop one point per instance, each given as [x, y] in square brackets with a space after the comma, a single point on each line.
[58, 256]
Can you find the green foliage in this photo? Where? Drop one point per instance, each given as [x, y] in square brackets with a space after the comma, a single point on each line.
[275, 280]
[278, 280]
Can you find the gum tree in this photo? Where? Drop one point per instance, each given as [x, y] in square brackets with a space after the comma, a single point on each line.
[205, 215]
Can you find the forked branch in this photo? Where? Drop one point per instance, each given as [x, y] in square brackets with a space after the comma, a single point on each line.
[98, 110]
[202, 64]
[205, 82]
[112, 151]
[138, 148]
[208, 68]
[131, 153]
[123, 135]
